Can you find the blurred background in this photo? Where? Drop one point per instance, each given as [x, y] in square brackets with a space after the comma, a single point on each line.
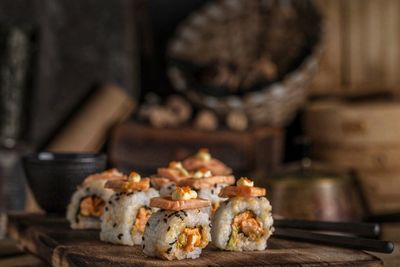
[300, 95]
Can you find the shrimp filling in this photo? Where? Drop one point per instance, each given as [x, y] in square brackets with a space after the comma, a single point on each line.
[191, 238]
[142, 217]
[92, 206]
[245, 225]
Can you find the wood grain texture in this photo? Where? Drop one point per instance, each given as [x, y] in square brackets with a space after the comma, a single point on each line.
[372, 123]
[51, 239]
[362, 45]
[363, 157]
[329, 75]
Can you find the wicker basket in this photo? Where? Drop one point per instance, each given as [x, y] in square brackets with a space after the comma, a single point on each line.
[235, 36]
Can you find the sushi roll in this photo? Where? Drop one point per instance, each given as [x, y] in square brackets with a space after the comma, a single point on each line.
[203, 159]
[208, 186]
[87, 203]
[181, 229]
[127, 211]
[167, 177]
[244, 222]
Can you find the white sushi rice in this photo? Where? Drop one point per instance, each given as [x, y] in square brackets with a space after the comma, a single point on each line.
[167, 189]
[222, 220]
[164, 228]
[212, 194]
[94, 188]
[120, 214]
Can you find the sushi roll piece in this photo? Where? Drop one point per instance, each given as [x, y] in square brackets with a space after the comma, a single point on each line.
[203, 159]
[167, 177]
[208, 186]
[87, 203]
[127, 211]
[244, 222]
[181, 229]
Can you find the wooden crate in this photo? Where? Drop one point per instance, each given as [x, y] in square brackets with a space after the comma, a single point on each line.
[362, 157]
[361, 47]
[145, 148]
[364, 137]
[355, 123]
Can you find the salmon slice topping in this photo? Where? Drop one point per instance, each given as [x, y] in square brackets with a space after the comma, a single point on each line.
[111, 174]
[175, 171]
[204, 160]
[242, 191]
[159, 182]
[127, 185]
[168, 203]
[92, 206]
[208, 182]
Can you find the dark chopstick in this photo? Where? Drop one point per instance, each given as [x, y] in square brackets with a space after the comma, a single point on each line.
[360, 229]
[335, 240]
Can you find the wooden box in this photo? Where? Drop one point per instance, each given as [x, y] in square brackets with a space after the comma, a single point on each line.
[363, 137]
[145, 148]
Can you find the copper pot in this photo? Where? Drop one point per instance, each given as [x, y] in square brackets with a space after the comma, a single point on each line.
[312, 194]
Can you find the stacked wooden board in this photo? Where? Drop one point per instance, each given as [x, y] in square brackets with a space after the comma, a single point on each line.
[364, 136]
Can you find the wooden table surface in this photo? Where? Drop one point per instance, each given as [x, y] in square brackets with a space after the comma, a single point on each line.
[51, 239]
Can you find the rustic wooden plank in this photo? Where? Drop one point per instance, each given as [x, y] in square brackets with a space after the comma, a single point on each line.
[328, 79]
[25, 260]
[369, 53]
[373, 41]
[356, 35]
[392, 43]
[51, 239]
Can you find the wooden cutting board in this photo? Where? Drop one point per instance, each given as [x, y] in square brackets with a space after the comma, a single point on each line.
[51, 239]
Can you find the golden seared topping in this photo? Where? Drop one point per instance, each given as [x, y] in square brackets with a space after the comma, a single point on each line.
[134, 177]
[202, 173]
[183, 193]
[142, 217]
[92, 206]
[176, 165]
[244, 181]
[203, 154]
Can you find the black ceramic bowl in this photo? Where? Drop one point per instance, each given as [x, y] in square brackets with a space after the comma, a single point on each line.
[53, 177]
